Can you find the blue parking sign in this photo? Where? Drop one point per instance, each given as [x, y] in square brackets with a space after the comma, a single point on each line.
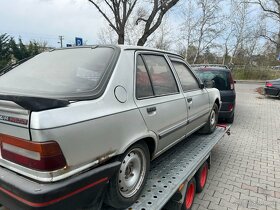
[79, 41]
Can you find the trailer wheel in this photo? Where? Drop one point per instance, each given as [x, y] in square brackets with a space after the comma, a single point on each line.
[201, 177]
[189, 196]
[125, 187]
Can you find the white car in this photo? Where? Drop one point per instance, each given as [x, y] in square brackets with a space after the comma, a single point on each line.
[77, 121]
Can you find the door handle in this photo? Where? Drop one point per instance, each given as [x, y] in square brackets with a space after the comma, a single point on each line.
[151, 109]
[189, 100]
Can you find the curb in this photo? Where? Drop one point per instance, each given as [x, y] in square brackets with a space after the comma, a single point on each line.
[251, 81]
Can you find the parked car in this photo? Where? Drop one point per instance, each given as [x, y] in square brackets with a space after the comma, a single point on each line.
[74, 120]
[222, 80]
[272, 88]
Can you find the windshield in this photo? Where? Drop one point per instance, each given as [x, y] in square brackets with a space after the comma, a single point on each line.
[220, 78]
[59, 74]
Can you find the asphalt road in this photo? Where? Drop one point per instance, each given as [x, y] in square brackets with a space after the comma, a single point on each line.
[245, 170]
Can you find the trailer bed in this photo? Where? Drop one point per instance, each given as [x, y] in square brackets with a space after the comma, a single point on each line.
[174, 167]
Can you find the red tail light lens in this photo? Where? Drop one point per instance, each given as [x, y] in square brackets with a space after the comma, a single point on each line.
[231, 82]
[43, 156]
[230, 107]
[268, 84]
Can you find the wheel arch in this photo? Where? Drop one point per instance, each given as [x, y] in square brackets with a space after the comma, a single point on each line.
[217, 101]
[150, 139]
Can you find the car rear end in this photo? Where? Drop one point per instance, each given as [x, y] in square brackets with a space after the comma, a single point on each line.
[223, 81]
[30, 164]
[272, 88]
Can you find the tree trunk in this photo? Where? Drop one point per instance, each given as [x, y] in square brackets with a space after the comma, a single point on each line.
[278, 44]
[121, 38]
[141, 41]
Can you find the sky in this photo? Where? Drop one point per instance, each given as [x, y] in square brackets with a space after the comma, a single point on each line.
[45, 20]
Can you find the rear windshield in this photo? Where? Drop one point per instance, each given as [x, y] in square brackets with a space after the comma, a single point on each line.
[59, 74]
[220, 78]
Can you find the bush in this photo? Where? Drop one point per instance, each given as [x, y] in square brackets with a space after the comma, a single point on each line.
[251, 74]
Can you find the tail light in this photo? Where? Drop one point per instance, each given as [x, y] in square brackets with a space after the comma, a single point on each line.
[43, 156]
[231, 81]
[268, 84]
[230, 107]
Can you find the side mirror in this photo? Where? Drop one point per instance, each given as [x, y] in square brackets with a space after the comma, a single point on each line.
[209, 83]
[201, 85]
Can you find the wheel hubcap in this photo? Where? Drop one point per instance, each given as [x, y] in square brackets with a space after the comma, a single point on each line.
[213, 118]
[132, 172]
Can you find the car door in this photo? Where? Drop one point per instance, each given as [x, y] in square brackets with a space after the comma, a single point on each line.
[197, 99]
[159, 100]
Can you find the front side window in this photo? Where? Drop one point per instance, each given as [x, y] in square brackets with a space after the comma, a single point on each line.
[162, 78]
[59, 73]
[187, 79]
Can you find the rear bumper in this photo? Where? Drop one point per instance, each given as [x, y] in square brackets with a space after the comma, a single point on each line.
[224, 113]
[271, 91]
[17, 192]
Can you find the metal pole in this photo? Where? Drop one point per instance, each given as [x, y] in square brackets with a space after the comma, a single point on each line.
[60, 38]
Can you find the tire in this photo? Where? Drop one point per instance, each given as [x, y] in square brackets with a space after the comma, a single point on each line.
[230, 119]
[189, 196]
[210, 126]
[126, 186]
[201, 177]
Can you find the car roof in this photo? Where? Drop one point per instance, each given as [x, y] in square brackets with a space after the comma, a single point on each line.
[124, 47]
[210, 65]
[201, 68]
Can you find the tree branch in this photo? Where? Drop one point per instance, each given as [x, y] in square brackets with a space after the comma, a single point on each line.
[104, 15]
[270, 39]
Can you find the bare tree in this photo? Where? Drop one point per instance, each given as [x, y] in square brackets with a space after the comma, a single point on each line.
[272, 9]
[161, 38]
[187, 29]
[117, 13]
[107, 36]
[120, 10]
[239, 21]
[209, 27]
[153, 21]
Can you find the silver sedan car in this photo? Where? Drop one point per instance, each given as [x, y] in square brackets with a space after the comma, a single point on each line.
[77, 121]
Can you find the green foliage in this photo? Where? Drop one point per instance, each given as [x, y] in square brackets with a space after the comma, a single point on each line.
[21, 51]
[12, 51]
[255, 74]
[5, 54]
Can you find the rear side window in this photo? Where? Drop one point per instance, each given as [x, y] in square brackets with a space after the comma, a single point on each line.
[220, 78]
[187, 79]
[143, 83]
[162, 78]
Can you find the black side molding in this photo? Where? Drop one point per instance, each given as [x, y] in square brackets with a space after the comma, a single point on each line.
[35, 103]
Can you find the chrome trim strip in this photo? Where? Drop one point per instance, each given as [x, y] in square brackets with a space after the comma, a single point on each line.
[197, 116]
[172, 129]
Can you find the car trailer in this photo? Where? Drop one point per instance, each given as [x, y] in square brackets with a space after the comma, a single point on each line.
[177, 175]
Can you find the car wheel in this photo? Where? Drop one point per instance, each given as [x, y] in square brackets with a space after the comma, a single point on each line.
[189, 196]
[210, 126]
[230, 119]
[201, 177]
[126, 186]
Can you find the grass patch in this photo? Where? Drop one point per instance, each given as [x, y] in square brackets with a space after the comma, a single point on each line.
[245, 74]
